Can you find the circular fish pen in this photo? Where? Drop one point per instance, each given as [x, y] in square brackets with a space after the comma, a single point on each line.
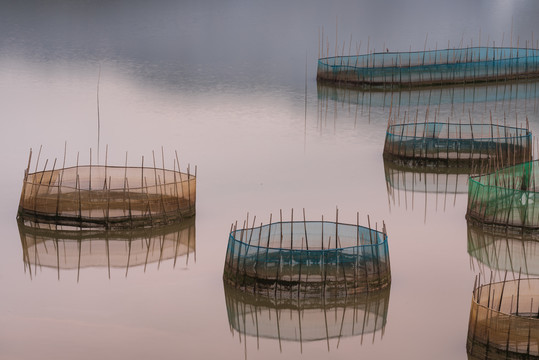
[107, 196]
[52, 246]
[433, 143]
[504, 320]
[502, 251]
[505, 200]
[276, 316]
[394, 70]
[308, 258]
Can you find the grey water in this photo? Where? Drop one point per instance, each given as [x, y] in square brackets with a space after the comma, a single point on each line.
[231, 85]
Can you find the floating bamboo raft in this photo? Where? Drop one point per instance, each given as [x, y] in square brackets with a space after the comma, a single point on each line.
[107, 196]
[307, 257]
[394, 70]
[504, 320]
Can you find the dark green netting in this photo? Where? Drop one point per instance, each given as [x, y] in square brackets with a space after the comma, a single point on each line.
[426, 68]
[506, 198]
[312, 257]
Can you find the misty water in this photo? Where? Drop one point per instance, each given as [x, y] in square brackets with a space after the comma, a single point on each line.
[232, 87]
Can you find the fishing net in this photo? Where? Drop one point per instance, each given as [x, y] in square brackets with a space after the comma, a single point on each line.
[505, 199]
[456, 144]
[310, 257]
[427, 68]
[108, 196]
[276, 316]
[503, 251]
[51, 246]
[504, 320]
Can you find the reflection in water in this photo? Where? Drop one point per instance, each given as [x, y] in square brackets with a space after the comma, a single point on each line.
[444, 183]
[502, 251]
[282, 316]
[68, 249]
[505, 96]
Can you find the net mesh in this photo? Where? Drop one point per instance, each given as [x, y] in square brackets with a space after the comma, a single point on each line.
[503, 251]
[276, 316]
[456, 144]
[50, 246]
[433, 67]
[108, 196]
[311, 257]
[505, 199]
[504, 320]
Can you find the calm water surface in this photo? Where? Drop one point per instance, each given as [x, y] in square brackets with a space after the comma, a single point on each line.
[224, 84]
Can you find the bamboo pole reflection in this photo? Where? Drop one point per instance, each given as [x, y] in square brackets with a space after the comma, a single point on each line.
[327, 319]
[62, 248]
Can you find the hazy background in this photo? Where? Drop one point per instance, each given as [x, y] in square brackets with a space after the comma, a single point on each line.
[225, 84]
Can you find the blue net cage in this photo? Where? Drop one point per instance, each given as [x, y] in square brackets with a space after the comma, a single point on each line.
[456, 144]
[308, 257]
[427, 68]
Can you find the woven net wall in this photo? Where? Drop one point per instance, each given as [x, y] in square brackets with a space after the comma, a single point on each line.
[312, 257]
[456, 144]
[506, 198]
[108, 196]
[504, 320]
[50, 246]
[427, 68]
[276, 316]
[503, 251]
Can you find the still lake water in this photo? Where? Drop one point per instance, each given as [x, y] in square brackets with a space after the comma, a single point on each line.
[224, 84]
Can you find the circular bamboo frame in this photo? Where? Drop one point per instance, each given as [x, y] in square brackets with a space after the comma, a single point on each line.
[504, 320]
[455, 145]
[397, 70]
[108, 196]
[308, 258]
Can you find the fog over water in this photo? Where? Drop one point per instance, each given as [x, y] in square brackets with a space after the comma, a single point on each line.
[232, 86]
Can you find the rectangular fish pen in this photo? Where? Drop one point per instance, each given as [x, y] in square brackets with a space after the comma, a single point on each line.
[394, 70]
